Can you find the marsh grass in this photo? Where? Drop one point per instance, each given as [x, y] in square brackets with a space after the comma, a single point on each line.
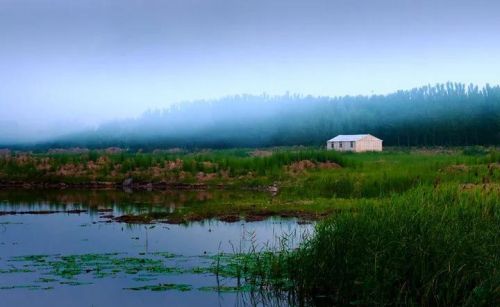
[102, 166]
[361, 175]
[380, 175]
[311, 192]
[428, 247]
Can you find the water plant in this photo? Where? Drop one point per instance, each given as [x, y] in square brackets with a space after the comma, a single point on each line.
[429, 247]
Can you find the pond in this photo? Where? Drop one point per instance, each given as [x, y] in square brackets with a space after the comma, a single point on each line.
[61, 248]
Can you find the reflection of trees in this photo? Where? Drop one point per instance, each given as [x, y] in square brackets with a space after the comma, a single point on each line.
[119, 201]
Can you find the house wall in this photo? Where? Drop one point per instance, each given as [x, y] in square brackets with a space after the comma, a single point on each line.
[367, 143]
[346, 146]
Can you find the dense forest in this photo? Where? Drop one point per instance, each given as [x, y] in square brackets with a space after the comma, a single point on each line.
[450, 114]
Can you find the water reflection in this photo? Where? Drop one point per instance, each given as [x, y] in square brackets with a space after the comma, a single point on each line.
[120, 200]
[86, 262]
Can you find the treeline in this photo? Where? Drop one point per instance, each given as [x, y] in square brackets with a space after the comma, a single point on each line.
[450, 114]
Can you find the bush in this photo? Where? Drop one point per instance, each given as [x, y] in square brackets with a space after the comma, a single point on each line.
[475, 151]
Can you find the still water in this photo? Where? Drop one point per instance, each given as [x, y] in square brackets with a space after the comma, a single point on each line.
[83, 258]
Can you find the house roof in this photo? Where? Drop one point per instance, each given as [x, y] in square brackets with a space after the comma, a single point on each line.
[349, 137]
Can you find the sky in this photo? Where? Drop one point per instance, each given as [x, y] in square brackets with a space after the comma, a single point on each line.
[70, 64]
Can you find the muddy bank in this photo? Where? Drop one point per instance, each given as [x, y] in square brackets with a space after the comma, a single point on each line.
[107, 185]
[166, 218]
[73, 211]
[130, 186]
[302, 217]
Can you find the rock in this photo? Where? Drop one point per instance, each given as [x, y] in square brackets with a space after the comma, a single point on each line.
[273, 189]
[127, 182]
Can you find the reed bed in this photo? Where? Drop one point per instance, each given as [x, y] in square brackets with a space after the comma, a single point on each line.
[428, 247]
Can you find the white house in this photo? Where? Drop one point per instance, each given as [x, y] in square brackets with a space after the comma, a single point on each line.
[355, 142]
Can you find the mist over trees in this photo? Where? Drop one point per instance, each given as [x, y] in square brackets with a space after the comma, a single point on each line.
[448, 114]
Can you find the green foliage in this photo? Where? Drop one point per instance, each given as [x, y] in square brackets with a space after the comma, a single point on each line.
[383, 174]
[101, 166]
[475, 151]
[428, 247]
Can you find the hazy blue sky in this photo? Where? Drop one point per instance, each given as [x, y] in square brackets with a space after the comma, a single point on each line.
[86, 61]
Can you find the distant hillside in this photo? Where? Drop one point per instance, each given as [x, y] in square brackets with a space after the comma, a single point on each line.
[444, 114]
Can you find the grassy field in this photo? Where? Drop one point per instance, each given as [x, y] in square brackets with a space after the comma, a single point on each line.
[316, 170]
[309, 182]
[211, 167]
